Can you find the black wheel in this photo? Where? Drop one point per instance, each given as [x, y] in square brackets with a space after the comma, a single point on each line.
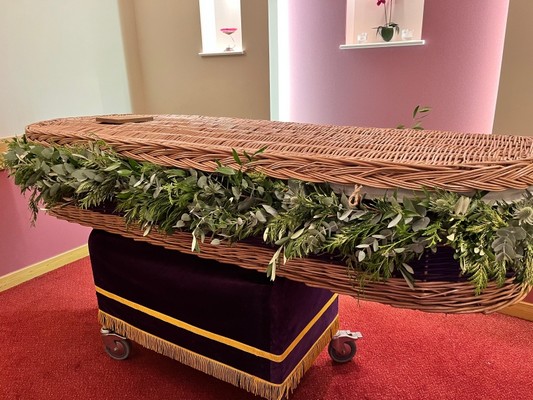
[120, 351]
[348, 353]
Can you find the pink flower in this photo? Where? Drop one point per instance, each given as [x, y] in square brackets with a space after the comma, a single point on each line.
[387, 9]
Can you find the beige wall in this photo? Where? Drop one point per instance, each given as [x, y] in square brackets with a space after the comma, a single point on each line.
[60, 58]
[514, 107]
[162, 41]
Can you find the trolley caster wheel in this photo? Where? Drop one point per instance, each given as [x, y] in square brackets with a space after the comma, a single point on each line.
[116, 346]
[342, 347]
[346, 354]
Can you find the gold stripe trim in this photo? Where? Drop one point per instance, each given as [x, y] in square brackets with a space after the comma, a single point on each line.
[219, 338]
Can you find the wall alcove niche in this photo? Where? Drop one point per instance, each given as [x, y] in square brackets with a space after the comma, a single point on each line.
[221, 27]
[363, 16]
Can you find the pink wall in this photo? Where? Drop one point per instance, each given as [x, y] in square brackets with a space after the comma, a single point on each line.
[22, 245]
[456, 72]
[529, 298]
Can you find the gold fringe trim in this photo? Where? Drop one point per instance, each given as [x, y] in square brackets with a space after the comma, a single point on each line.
[219, 370]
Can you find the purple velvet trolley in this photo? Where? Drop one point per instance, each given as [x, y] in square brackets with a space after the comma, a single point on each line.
[229, 322]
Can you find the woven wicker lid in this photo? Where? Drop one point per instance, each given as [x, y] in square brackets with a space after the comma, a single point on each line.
[379, 158]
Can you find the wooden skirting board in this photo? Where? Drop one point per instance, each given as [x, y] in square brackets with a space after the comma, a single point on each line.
[522, 310]
[42, 267]
[3, 149]
[3, 143]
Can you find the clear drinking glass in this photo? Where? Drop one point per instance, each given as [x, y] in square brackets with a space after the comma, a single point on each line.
[362, 37]
[407, 34]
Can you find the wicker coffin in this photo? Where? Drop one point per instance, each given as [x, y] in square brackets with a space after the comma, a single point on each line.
[378, 158]
[375, 158]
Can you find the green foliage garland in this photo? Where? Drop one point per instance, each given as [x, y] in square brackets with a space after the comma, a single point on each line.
[376, 238]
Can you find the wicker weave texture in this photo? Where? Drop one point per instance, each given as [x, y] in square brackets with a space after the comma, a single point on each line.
[374, 157]
[436, 296]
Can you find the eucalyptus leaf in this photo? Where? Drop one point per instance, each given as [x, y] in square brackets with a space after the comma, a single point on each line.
[124, 172]
[147, 230]
[269, 209]
[236, 157]
[298, 233]
[408, 204]
[54, 189]
[344, 215]
[408, 279]
[79, 175]
[421, 210]
[58, 169]
[395, 221]
[113, 167]
[260, 216]
[245, 204]
[282, 241]
[99, 178]
[408, 268]
[157, 191]
[420, 224]
[47, 153]
[226, 170]
[69, 168]
[202, 181]
[179, 224]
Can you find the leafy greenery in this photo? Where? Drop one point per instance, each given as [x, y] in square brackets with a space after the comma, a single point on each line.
[376, 238]
[419, 113]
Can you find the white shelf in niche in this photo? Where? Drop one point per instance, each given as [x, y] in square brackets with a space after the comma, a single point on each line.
[220, 22]
[363, 16]
[222, 53]
[382, 44]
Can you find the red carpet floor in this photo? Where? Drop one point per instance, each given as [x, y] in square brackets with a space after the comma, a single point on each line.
[51, 349]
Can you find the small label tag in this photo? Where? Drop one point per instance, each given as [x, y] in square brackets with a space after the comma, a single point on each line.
[123, 119]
